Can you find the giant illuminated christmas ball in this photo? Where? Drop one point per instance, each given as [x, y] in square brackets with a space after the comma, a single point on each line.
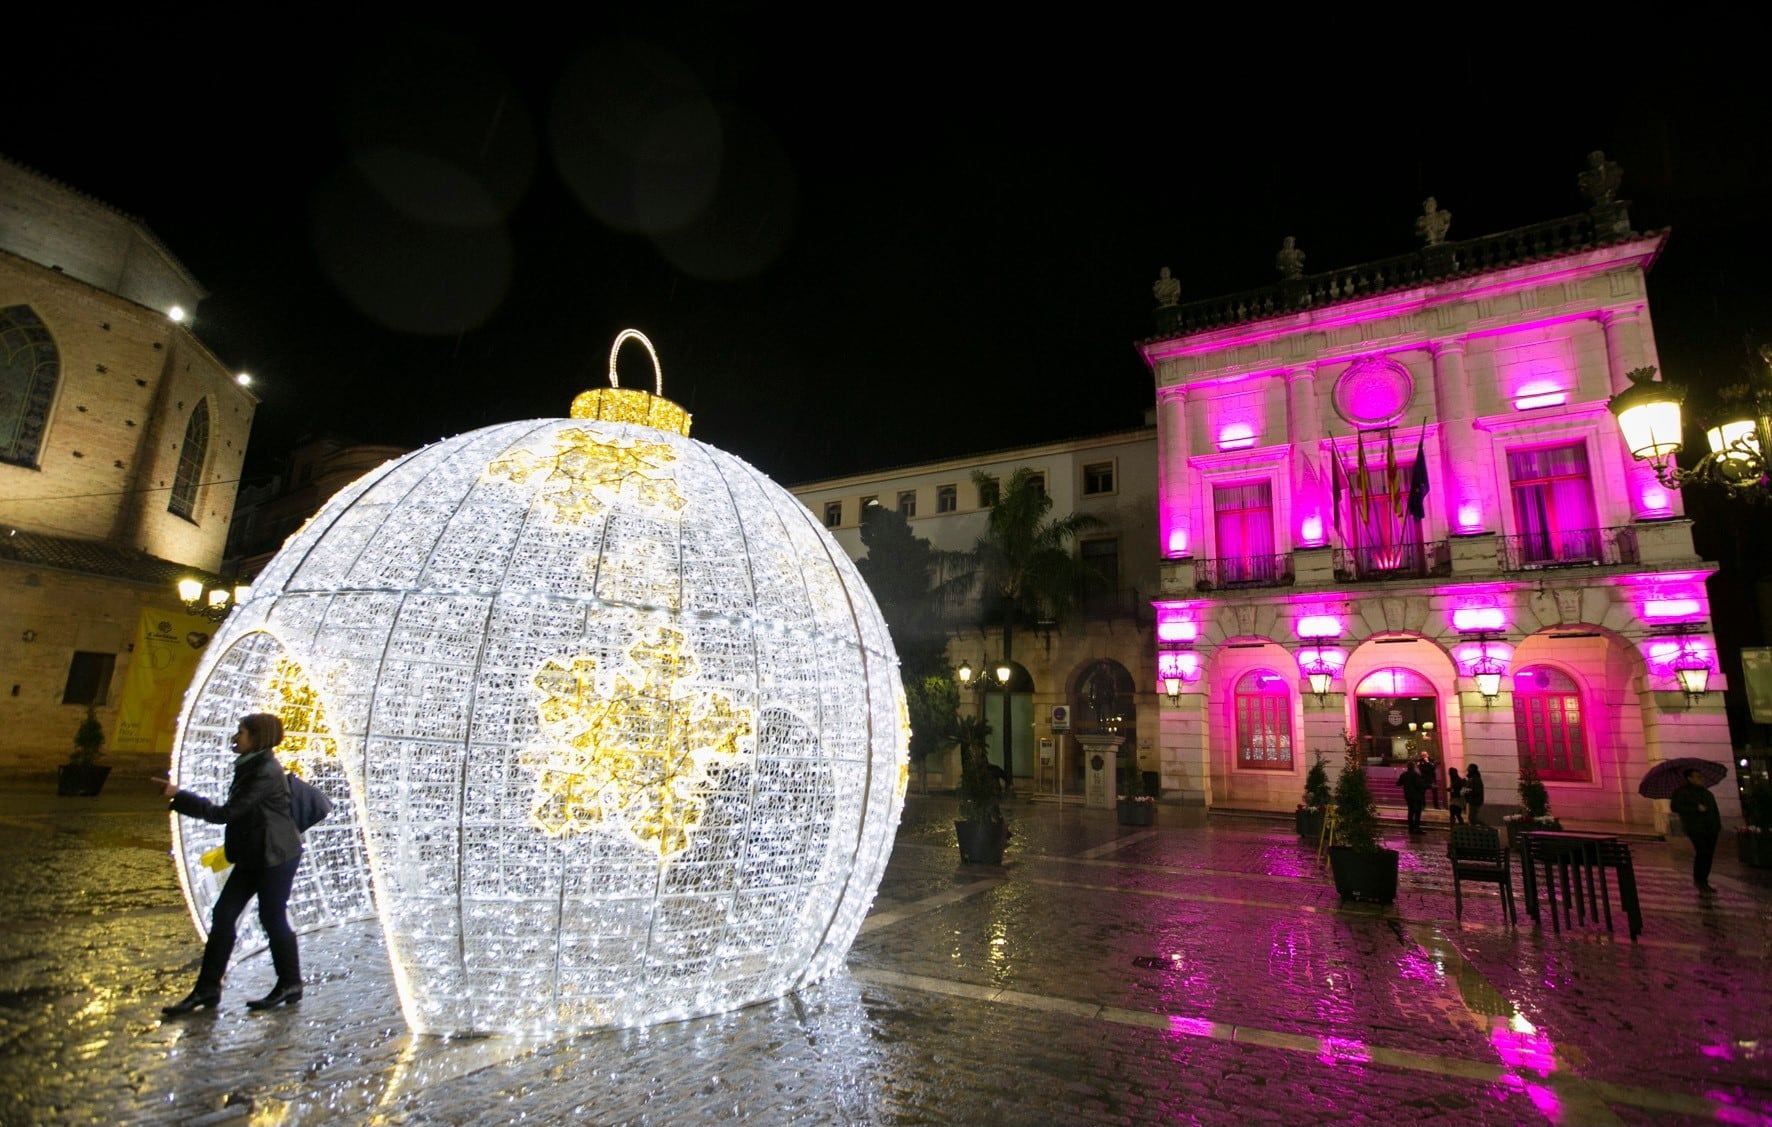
[613, 726]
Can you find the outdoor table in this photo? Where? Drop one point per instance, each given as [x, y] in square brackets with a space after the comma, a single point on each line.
[1580, 859]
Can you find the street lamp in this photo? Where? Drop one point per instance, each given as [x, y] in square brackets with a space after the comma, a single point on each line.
[1320, 674]
[1172, 688]
[1692, 670]
[212, 603]
[1648, 414]
[1488, 671]
[1002, 673]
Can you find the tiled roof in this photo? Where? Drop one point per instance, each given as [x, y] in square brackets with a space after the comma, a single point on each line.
[1554, 239]
[95, 557]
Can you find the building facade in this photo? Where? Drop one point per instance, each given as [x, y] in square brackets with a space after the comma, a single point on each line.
[1403, 478]
[121, 442]
[1098, 663]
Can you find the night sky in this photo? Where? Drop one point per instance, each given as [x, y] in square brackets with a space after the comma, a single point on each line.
[854, 246]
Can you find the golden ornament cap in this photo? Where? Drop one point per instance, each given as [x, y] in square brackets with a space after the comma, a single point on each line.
[617, 404]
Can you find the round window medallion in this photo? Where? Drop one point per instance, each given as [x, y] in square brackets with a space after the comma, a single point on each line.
[1373, 392]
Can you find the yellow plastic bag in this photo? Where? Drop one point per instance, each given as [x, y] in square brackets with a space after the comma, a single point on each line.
[216, 860]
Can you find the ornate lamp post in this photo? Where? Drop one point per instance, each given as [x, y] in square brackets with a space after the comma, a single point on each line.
[1001, 674]
[213, 604]
[1648, 414]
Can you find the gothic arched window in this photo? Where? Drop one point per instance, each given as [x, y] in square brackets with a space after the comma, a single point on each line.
[191, 455]
[30, 367]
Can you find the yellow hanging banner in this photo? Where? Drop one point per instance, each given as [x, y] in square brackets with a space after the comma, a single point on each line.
[168, 645]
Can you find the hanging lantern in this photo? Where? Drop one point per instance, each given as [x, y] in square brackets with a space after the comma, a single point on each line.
[613, 727]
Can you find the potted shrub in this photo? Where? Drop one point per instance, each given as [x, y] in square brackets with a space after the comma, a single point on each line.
[1534, 807]
[981, 830]
[1309, 817]
[82, 775]
[1136, 807]
[1364, 870]
[1753, 841]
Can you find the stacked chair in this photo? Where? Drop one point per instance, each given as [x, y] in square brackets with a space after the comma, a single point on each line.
[1477, 854]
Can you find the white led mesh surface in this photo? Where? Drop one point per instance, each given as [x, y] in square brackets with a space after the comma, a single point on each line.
[613, 727]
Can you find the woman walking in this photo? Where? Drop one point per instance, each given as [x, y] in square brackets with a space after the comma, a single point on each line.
[262, 842]
[1455, 796]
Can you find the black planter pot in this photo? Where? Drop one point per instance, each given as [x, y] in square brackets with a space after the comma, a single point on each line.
[1370, 878]
[1755, 850]
[1137, 813]
[981, 843]
[1309, 823]
[79, 781]
[1513, 830]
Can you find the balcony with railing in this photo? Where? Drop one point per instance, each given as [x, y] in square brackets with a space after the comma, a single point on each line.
[1236, 572]
[1374, 564]
[1578, 547]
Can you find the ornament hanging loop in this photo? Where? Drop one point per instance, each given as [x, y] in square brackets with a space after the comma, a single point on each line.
[615, 350]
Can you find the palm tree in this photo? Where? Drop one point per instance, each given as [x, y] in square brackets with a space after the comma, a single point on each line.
[1023, 563]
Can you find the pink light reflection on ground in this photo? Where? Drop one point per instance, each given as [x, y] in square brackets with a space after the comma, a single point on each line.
[1735, 1109]
[1287, 861]
[1190, 1026]
[1542, 1098]
[1717, 1052]
[1414, 964]
[1529, 1050]
[1344, 1050]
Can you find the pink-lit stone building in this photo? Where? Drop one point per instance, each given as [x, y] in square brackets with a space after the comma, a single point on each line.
[1544, 557]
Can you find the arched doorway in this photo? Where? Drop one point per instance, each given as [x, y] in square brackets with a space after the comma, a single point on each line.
[1397, 717]
[1103, 701]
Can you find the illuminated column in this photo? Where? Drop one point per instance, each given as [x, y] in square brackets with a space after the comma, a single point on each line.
[1462, 453]
[1174, 482]
[1310, 517]
[1627, 348]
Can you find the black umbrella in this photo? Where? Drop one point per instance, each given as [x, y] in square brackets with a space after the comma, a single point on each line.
[1670, 774]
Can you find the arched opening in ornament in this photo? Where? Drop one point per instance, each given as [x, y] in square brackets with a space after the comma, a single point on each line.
[258, 674]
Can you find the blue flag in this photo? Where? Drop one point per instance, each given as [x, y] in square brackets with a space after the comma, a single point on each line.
[1418, 480]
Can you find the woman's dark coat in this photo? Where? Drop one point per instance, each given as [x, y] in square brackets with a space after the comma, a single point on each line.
[260, 832]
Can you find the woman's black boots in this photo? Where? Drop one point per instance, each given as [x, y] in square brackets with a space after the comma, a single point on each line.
[286, 993]
[197, 999]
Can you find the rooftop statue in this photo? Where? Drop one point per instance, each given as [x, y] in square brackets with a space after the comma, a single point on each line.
[1166, 289]
[1290, 261]
[1432, 223]
[1599, 181]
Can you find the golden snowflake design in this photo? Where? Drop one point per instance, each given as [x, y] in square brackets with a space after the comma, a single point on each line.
[307, 735]
[588, 470]
[632, 746]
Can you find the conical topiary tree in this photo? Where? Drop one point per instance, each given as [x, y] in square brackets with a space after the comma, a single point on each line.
[89, 738]
[1316, 784]
[1356, 813]
[1533, 796]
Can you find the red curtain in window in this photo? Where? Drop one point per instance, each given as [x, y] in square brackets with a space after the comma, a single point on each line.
[1264, 723]
[1244, 516]
[1554, 503]
[1548, 730]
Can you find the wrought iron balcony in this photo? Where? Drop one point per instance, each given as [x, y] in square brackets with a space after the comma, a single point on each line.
[1578, 547]
[1409, 561]
[1234, 572]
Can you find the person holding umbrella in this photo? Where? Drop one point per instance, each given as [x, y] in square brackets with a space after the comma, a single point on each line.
[1697, 809]
[1685, 784]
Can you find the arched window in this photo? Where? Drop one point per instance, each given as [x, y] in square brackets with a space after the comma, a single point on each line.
[30, 366]
[1547, 723]
[191, 455]
[1263, 703]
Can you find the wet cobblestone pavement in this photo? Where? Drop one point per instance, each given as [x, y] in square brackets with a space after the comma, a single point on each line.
[1200, 971]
